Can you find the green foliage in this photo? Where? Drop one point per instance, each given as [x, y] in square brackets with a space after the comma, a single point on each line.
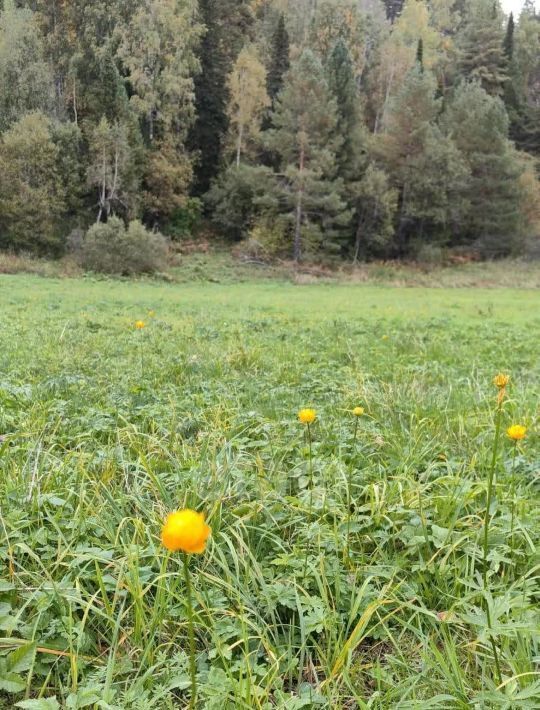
[279, 60]
[235, 197]
[185, 220]
[25, 78]
[493, 191]
[110, 248]
[149, 101]
[305, 138]
[31, 191]
[105, 429]
[481, 46]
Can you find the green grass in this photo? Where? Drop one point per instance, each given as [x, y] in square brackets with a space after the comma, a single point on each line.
[105, 429]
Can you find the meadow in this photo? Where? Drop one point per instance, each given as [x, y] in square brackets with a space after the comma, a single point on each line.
[347, 566]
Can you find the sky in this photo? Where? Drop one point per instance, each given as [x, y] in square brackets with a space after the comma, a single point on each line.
[512, 6]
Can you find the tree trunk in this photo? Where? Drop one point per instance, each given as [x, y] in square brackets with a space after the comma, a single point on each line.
[299, 201]
[239, 144]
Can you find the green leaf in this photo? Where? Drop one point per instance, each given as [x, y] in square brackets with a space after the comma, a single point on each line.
[11, 682]
[39, 704]
[22, 659]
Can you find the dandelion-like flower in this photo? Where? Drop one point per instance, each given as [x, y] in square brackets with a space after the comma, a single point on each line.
[186, 531]
[501, 380]
[140, 324]
[516, 432]
[307, 416]
[358, 411]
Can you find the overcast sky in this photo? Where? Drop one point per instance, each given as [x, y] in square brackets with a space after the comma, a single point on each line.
[512, 6]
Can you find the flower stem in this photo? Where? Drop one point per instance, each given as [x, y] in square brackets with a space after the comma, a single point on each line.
[191, 633]
[349, 491]
[513, 502]
[489, 496]
[310, 507]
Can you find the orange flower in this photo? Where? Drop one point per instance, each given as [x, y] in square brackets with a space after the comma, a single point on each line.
[186, 531]
[501, 380]
[516, 432]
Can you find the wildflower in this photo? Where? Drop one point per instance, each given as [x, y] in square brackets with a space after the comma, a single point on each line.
[185, 530]
[501, 380]
[385, 337]
[358, 411]
[516, 432]
[307, 416]
[140, 324]
[151, 314]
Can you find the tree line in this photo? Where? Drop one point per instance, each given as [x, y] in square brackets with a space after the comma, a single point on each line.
[309, 128]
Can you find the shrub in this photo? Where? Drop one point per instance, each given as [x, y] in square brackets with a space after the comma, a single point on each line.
[110, 248]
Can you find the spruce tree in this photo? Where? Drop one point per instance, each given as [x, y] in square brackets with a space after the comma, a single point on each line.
[480, 45]
[227, 24]
[343, 86]
[279, 59]
[508, 44]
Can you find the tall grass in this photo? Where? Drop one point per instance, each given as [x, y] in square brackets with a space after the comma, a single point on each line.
[391, 609]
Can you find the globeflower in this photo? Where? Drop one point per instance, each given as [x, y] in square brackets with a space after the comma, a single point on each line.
[307, 416]
[358, 411]
[185, 531]
[140, 324]
[516, 432]
[501, 380]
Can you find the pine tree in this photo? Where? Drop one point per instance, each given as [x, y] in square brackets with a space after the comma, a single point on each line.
[522, 91]
[411, 114]
[279, 59]
[480, 45]
[376, 205]
[305, 139]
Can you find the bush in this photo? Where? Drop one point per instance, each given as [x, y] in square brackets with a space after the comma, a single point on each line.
[110, 248]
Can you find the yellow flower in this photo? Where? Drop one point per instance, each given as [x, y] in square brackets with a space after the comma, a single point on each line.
[185, 530]
[501, 380]
[151, 314]
[307, 416]
[516, 432]
[358, 411]
[385, 337]
[140, 324]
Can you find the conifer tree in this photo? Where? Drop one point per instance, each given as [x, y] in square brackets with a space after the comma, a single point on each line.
[393, 9]
[478, 124]
[279, 60]
[342, 85]
[305, 138]
[480, 45]
[227, 24]
[509, 38]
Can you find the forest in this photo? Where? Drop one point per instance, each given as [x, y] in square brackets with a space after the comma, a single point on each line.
[308, 129]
